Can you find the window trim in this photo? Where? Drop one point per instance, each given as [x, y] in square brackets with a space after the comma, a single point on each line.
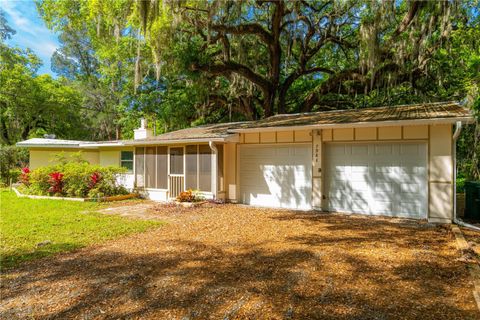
[128, 161]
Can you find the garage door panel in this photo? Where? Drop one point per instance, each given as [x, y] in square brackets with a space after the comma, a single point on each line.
[382, 178]
[340, 150]
[409, 188]
[385, 168]
[383, 187]
[359, 186]
[359, 205]
[382, 207]
[383, 149]
[405, 208]
[412, 150]
[360, 150]
[276, 176]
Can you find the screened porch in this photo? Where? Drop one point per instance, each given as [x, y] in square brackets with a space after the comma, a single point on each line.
[165, 171]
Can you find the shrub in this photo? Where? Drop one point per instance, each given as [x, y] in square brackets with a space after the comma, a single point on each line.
[189, 196]
[12, 158]
[75, 179]
[460, 185]
[39, 180]
[56, 183]
[24, 176]
[14, 175]
[107, 185]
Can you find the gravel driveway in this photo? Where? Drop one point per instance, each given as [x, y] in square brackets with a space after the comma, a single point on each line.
[237, 262]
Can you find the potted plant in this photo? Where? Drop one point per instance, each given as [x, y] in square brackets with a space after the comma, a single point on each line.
[190, 198]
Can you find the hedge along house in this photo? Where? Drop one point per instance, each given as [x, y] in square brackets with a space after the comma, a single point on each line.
[394, 161]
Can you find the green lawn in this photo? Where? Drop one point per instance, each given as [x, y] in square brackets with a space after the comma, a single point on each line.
[65, 225]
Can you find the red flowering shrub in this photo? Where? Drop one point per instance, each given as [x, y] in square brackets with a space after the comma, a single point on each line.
[25, 176]
[75, 179]
[56, 183]
[94, 179]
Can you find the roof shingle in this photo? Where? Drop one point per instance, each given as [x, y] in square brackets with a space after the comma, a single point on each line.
[426, 111]
[451, 111]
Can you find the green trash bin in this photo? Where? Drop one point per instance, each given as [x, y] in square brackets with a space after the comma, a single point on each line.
[472, 199]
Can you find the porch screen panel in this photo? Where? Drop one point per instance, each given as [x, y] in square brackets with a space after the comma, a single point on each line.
[162, 167]
[220, 167]
[191, 167]
[139, 166]
[176, 160]
[150, 167]
[205, 168]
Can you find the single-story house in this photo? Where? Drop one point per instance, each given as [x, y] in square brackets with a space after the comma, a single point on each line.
[395, 161]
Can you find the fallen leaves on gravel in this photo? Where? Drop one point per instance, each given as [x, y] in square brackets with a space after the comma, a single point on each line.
[238, 262]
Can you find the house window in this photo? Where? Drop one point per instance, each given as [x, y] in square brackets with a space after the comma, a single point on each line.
[126, 160]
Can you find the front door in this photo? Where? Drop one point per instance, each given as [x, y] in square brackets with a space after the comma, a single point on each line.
[176, 171]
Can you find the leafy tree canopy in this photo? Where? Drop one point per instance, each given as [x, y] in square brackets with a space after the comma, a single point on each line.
[32, 105]
[182, 62]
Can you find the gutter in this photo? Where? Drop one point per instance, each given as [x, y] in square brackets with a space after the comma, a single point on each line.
[173, 141]
[456, 220]
[212, 146]
[63, 146]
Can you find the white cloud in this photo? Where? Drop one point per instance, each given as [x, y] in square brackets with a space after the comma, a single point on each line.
[21, 20]
[43, 48]
[31, 30]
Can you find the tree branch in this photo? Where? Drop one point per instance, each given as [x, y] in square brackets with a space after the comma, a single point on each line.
[228, 67]
[408, 18]
[250, 28]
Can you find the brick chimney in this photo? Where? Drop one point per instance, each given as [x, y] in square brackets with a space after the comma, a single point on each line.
[143, 132]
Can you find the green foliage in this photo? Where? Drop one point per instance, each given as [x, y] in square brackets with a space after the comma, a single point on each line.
[39, 181]
[66, 225]
[77, 178]
[63, 158]
[460, 184]
[190, 196]
[12, 158]
[183, 63]
[31, 104]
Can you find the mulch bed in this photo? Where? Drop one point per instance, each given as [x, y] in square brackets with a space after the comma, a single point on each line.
[473, 239]
[237, 262]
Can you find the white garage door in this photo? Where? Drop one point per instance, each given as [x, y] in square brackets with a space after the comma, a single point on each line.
[276, 176]
[377, 178]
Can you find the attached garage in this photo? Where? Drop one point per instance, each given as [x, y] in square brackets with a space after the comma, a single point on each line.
[377, 178]
[276, 175]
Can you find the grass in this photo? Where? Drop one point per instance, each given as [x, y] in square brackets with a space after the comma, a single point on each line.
[61, 225]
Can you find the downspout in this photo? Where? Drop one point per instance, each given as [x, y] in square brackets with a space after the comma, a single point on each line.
[456, 134]
[212, 146]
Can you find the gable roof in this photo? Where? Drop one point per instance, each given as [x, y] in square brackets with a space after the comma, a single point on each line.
[424, 113]
[448, 111]
[208, 132]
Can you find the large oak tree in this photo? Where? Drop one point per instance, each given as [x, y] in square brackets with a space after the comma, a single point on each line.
[336, 50]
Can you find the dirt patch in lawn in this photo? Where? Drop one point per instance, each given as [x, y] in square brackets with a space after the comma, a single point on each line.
[237, 262]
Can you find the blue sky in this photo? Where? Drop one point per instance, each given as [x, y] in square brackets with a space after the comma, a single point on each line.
[31, 33]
